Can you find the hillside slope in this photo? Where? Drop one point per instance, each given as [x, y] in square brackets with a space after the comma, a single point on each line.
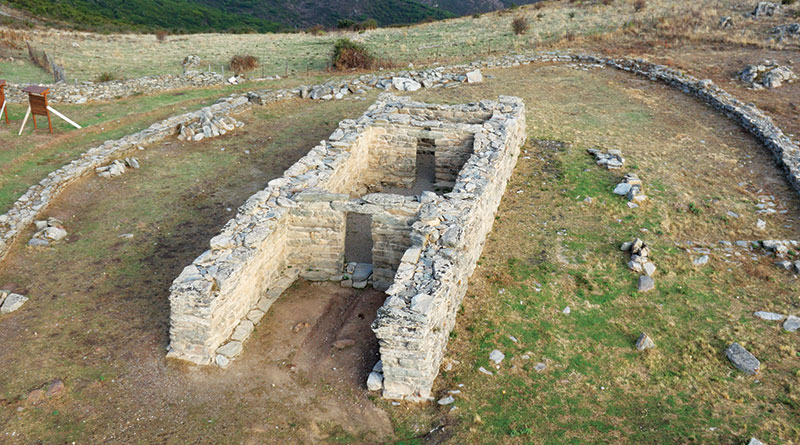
[464, 7]
[224, 15]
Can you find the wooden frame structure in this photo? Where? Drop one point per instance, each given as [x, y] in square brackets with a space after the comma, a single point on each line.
[37, 105]
[3, 109]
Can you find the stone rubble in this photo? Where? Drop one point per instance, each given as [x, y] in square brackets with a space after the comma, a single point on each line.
[788, 31]
[631, 188]
[10, 302]
[742, 359]
[117, 168]
[207, 126]
[47, 232]
[612, 159]
[791, 324]
[765, 9]
[767, 74]
[640, 257]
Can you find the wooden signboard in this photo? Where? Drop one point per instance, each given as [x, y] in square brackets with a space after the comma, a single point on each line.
[37, 97]
[37, 105]
[3, 109]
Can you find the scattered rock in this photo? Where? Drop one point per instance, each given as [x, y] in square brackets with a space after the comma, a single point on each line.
[612, 159]
[754, 441]
[474, 76]
[485, 371]
[725, 22]
[34, 397]
[496, 356]
[375, 381]
[242, 331]
[742, 359]
[784, 32]
[770, 316]
[12, 302]
[299, 327]
[405, 84]
[566, 310]
[765, 9]
[645, 342]
[767, 74]
[447, 400]
[55, 389]
[646, 283]
[792, 323]
[47, 232]
[700, 261]
[631, 187]
[539, 367]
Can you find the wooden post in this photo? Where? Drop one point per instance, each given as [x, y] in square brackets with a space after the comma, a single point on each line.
[3, 108]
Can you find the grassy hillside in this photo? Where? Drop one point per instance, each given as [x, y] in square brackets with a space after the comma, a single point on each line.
[224, 15]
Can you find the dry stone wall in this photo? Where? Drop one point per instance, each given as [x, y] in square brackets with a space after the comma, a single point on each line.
[296, 227]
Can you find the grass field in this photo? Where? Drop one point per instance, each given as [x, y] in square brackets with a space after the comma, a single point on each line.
[86, 55]
[99, 321]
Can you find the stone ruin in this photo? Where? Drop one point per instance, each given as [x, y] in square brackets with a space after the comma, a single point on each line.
[428, 178]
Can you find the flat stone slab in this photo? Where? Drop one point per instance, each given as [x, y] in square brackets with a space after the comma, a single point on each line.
[742, 359]
[375, 381]
[231, 349]
[792, 323]
[769, 316]
[646, 283]
[12, 303]
[362, 272]
[496, 356]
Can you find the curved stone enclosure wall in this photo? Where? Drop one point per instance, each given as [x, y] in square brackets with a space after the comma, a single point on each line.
[296, 228]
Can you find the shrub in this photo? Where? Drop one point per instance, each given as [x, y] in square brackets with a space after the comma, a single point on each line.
[607, 2]
[161, 35]
[243, 64]
[105, 77]
[350, 55]
[639, 5]
[369, 24]
[788, 2]
[345, 24]
[519, 25]
[476, 16]
[316, 30]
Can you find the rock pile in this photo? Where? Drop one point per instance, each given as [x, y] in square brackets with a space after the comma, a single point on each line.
[117, 168]
[612, 159]
[765, 9]
[767, 74]
[725, 22]
[785, 32]
[207, 127]
[357, 275]
[10, 302]
[191, 61]
[791, 323]
[640, 263]
[631, 188]
[47, 232]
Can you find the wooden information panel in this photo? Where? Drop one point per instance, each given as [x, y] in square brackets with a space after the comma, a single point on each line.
[3, 107]
[37, 96]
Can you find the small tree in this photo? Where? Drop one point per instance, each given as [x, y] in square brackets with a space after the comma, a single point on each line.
[369, 24]
[520, 25]
[161, 35]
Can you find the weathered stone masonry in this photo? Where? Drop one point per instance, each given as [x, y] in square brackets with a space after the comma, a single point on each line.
[425, 246]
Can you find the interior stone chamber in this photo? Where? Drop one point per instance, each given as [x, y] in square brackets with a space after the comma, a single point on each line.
[426, 178]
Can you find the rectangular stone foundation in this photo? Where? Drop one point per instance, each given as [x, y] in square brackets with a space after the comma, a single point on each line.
[425, 246]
